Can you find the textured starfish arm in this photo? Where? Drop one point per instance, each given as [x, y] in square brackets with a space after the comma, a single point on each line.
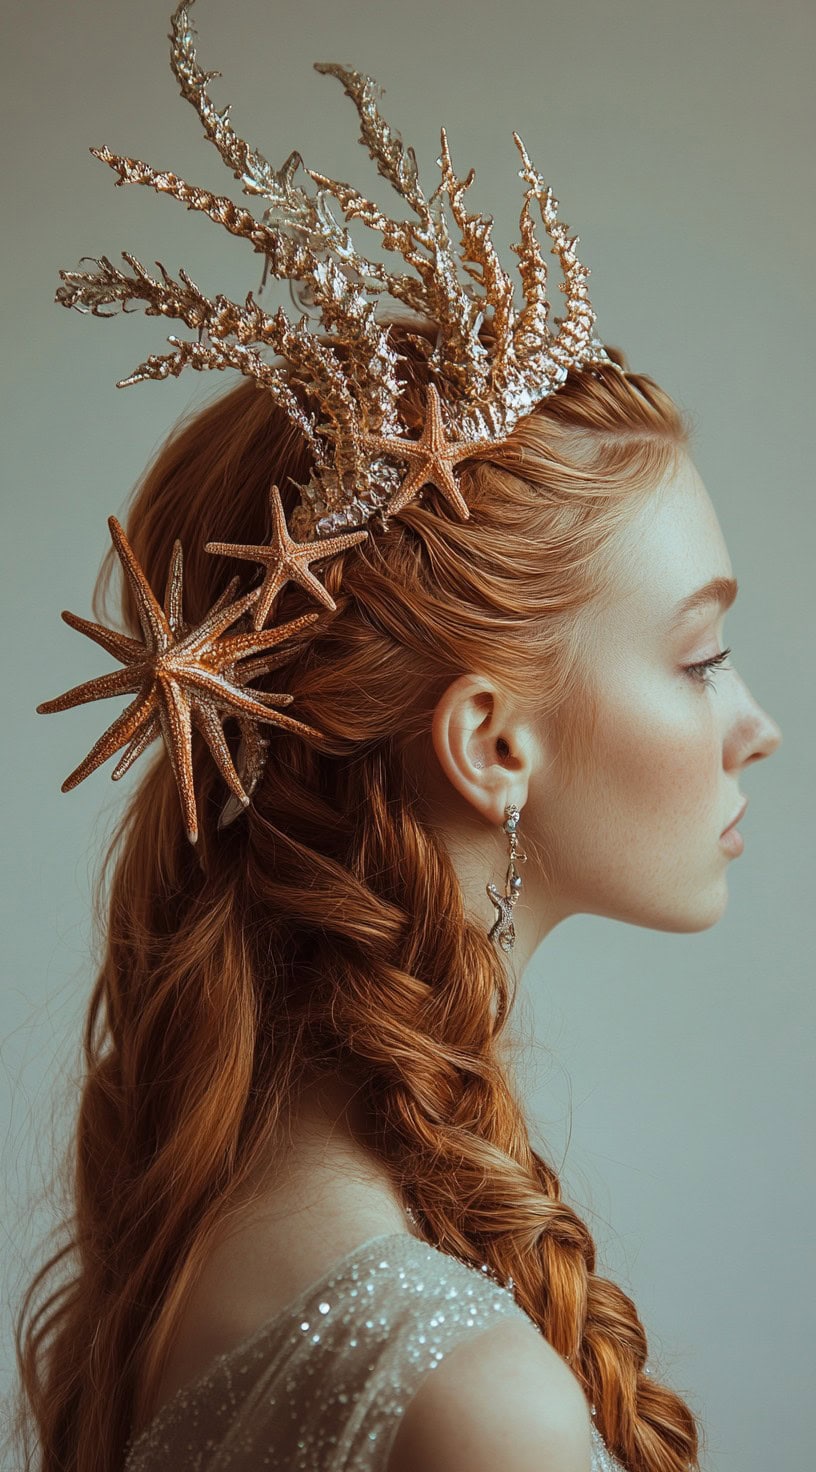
[251, 761]
[140, 742]
[211, 728]
[228, 595]
[217, 687]
[267, 698]
[252, 669]
[433, 441]
[253, 749]
[288, 723]
[121, 646]
[242, 646]
[118, 682]
[234, 700]
[412, 450]
[248, 552]
[118, 733]
[173, 590]
[176, 725]
[299, 573]
[152, 617]
[285, 559]
[443, 480]
[196, 641]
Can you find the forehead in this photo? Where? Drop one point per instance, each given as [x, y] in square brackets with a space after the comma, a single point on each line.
[672, 544]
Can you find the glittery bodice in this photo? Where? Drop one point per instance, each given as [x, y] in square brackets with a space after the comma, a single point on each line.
[321, 1386]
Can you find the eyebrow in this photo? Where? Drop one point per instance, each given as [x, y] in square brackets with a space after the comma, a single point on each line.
[719, 590]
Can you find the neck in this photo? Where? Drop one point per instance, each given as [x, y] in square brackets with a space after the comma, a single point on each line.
[323, 1172]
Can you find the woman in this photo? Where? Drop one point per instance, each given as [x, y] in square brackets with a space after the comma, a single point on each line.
[303, 1178]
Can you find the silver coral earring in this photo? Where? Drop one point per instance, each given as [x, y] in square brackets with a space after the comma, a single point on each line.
[503, 929]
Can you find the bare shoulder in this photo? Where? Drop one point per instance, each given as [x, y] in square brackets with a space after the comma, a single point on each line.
[504, 1397]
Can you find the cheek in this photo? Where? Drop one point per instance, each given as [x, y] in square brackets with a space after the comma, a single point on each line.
[658, 756]
[633, 837]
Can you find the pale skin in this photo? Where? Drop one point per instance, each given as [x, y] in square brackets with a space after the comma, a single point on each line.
[635, 838]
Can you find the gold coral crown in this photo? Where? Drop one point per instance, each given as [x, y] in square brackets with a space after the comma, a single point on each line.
[346, 403]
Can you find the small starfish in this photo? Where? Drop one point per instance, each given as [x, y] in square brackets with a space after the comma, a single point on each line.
[183, 675]
[432, 459]
[286, 560]
[503, 930]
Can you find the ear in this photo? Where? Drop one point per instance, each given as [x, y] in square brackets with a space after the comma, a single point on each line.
[485, 751]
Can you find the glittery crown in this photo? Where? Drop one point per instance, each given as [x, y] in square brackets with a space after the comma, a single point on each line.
[339, 386]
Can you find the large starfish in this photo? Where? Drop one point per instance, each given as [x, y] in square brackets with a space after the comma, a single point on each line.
[286, 559]
[431, 457]
[183, 675]
[253, 746]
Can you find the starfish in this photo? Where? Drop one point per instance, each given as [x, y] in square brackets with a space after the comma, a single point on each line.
[503, 930]
[183, 675]
[286, 560]
[253, 746]
[432, 458]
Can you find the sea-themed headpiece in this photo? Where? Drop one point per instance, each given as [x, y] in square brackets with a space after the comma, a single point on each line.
[338, 384]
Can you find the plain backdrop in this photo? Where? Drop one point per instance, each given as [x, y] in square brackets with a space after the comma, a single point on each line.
[669, 1076]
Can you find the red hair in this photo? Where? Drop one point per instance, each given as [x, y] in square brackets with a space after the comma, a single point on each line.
[325, 929]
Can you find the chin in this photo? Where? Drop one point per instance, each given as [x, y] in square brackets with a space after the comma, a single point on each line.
[699, 914]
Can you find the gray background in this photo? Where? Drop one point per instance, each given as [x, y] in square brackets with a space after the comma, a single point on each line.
[668, 1072]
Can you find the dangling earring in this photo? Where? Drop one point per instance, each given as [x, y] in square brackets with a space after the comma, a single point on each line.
[503, 930]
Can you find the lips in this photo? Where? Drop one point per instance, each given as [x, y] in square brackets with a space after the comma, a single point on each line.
[737, 817]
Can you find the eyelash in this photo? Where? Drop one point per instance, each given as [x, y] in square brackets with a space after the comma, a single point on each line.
[698, 671]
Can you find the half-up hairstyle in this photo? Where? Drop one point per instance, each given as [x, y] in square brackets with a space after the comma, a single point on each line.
[324, 930]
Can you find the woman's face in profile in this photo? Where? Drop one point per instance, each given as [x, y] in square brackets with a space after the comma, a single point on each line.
[637, 835]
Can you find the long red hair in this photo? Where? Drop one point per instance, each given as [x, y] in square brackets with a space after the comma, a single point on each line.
[325, 928]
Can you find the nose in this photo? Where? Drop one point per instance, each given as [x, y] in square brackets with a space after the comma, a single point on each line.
[774, 738]
[753, 733]
[768, 739]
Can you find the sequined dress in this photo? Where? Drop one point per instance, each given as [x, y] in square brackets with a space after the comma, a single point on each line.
[321, 1387]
